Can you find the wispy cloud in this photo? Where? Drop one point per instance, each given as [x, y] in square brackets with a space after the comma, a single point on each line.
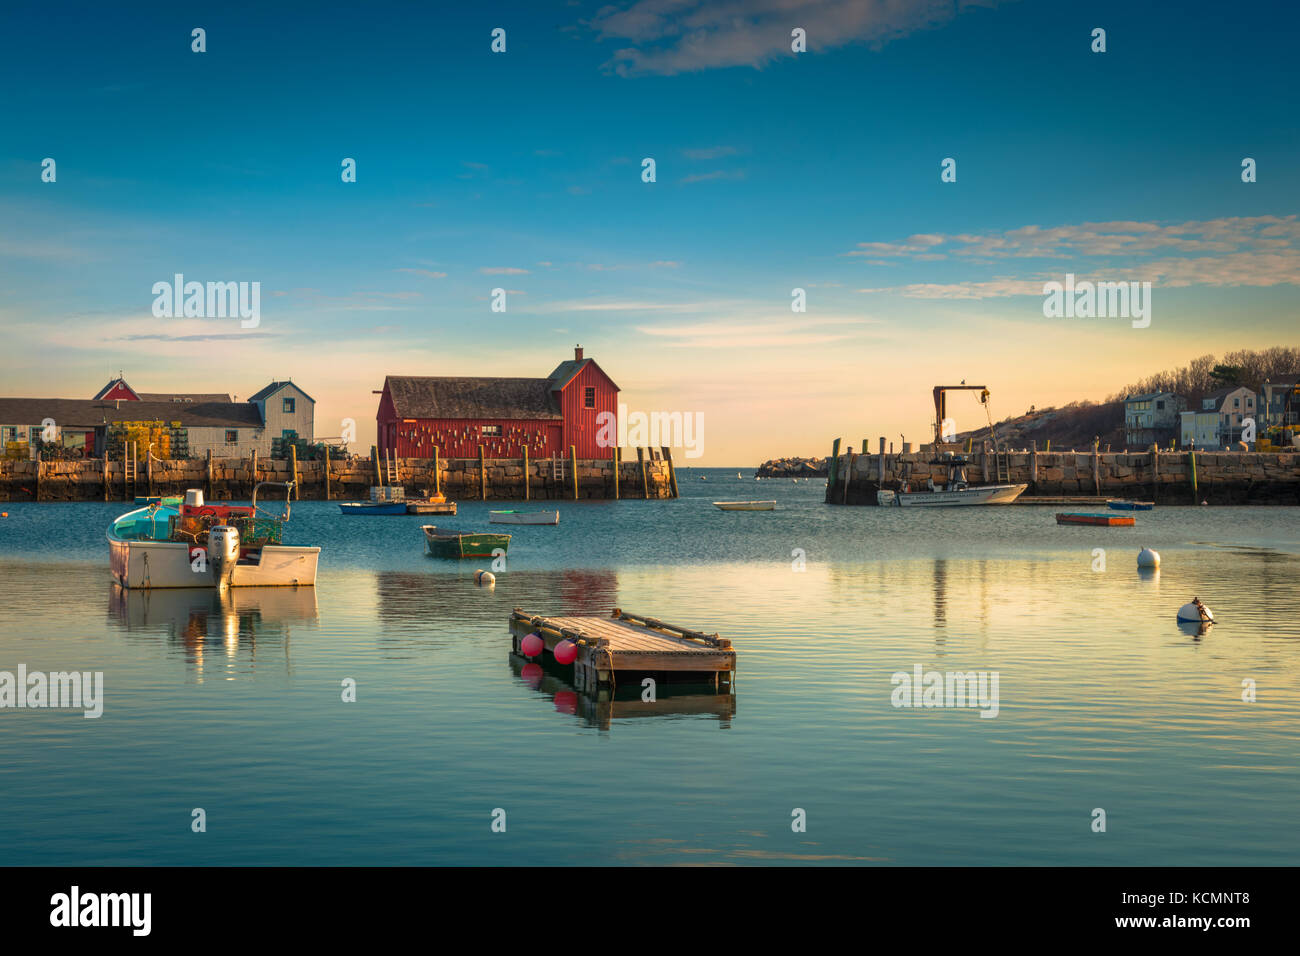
[679, 36]
[711, 152]
[1233, 251]
[427, 273]
[716, 174]
[503, 271]
[739, 334]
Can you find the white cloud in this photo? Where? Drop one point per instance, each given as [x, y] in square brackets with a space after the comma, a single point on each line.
[679, 36]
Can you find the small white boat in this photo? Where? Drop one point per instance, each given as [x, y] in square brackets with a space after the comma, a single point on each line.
[523, 517]
[745, 505]
[955, 493]
[170, 544]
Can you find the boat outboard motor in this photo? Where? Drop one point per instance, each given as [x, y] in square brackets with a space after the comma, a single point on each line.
[223, 553]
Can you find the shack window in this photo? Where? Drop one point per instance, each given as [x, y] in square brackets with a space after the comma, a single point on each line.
[232, 436]
[589, 397]
[489, 430]
[288, 406]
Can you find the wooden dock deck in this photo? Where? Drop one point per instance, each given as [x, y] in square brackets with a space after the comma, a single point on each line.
[622, 644]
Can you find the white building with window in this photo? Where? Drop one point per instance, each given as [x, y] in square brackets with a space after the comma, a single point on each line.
[1152, 418]
[287, 412]
[1218, 423]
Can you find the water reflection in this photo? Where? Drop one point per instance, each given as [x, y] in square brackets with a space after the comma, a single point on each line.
[211, 626]
[599, 707]
[410, 597]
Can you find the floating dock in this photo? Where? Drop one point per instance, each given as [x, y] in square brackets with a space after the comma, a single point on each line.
[1107, 520]
[430, 507]
[624, 645]
[603, 706]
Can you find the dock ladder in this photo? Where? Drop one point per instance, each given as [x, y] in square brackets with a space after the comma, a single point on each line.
[130, 469]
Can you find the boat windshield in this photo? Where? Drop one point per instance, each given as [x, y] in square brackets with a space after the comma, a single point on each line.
[144, 524]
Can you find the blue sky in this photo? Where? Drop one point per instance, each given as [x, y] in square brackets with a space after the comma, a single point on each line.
[522, 171]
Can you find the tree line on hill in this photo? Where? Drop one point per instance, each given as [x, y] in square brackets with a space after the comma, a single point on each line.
[1201, 376]
[1077, 424]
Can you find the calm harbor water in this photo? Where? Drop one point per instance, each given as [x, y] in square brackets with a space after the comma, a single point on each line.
[234, 704]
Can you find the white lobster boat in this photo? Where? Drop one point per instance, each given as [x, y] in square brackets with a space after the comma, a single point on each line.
[955, 493]
[175, 544]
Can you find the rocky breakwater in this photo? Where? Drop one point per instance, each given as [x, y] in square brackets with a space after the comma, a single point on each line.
[793, 468]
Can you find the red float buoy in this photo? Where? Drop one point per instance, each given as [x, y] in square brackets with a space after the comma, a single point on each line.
[566, 652]
[532, 645]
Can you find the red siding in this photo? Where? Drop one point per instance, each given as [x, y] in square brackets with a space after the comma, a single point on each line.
[460, 437]
[121, 391]
[580, 427]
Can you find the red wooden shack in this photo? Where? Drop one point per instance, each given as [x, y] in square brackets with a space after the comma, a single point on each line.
[455, 415]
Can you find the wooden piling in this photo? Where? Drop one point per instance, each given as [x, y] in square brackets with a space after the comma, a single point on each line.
[148, 471]
[527, 489]
[645, 485]
[328, 455]
[374, 456]
[880, 464]
[482, 475]
[208, 492]
[617, 463]
[833, 468]
[39, 465]
[672, 472]
[437, 474]
[1096, 469]
[293, 466]
[1155, 471]
[1033, 465]
[106, 474]
[573, 466]
[848, 476]
[253, 472]
[1191, 457]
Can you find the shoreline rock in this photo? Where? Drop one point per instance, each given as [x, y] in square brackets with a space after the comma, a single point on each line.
[793, 468]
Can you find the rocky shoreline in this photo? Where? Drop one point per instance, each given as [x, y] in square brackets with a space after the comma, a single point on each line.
[793, 468]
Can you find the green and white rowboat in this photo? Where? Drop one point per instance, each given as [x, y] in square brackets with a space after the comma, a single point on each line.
[455, 544]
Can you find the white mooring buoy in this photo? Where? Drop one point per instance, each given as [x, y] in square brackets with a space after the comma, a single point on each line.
[1195, 611]
[484, 578]
[1148, 558]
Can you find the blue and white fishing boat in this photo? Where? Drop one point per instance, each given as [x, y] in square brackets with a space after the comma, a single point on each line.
[187, 544]
[373, 507]
[1123, 505]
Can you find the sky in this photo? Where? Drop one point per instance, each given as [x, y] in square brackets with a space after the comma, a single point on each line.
[522, 170]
